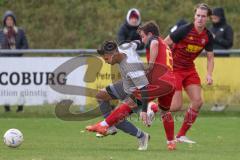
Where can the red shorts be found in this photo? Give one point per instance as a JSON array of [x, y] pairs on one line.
[[186, 77], [161, 87], [164, 102], [164, 94]]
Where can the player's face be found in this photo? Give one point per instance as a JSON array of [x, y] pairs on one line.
[[9, 21], [200, 18], [109, 58], [144, 37]]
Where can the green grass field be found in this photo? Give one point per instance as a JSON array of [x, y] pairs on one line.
[[48, 138]]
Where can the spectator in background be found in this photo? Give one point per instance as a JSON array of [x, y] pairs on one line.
[[222, 32], [128, 30], [12, 37], [223, 39]]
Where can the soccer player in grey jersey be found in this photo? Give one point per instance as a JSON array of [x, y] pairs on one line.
[[133, 77]]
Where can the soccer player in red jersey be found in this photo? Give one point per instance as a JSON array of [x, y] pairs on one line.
[[159, 54], [188, 41]]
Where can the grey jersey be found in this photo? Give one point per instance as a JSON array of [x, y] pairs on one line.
[[132, 69]]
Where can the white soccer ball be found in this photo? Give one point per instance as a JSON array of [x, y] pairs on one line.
[[13, 138]]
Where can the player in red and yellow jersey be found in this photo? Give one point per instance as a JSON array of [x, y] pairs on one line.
[[188, 42], [160, 73]]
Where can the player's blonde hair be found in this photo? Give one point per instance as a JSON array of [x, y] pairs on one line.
[[203, 6]]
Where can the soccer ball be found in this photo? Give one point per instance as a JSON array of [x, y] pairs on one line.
[[13, 138]]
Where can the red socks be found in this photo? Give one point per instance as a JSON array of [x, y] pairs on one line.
[[118, 114], [168, 124], [189, 119]]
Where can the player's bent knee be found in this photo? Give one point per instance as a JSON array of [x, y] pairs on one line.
[[164, 108], [175, 107], [197, 104], [163, 112]]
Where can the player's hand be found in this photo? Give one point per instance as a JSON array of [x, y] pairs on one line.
[[209, 79], [144, 118]]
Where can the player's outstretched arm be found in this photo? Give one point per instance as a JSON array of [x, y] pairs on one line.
[[210, 66]]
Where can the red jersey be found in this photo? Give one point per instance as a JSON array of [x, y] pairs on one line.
[[188, 44], [164, 56], [163, 66]]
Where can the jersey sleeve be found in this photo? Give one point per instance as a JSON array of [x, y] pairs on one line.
[[135, 44], [209, 45], [138, 78], [180, 32]]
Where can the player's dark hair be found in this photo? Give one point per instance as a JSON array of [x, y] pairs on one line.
[[203, 6], [108, 47], [149, 26]]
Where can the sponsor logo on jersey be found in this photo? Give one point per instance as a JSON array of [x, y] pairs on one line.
[[193, 48]]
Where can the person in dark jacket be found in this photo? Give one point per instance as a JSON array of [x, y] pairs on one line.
[[222, 32], [223, 39], [128, 30], [12, 37]]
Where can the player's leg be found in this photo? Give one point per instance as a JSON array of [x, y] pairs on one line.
[[113, 91], [192, 85], [104, 98], [168, 124], [167, 119], [194, 93], [177, 101], [128, 105], [116, 91], [121, 113], [117, 115], [164, 91]]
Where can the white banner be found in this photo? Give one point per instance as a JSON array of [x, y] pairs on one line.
[[25, 80]]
